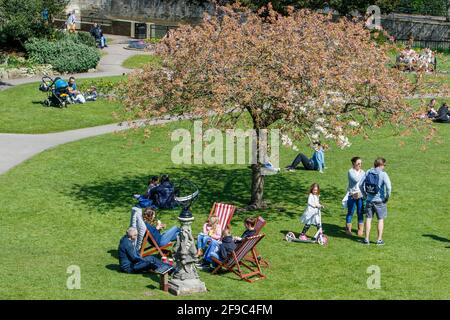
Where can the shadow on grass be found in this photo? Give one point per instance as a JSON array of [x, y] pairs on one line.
[[216, 184], [437, 238], [330, 230]]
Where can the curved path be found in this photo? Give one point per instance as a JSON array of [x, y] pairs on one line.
[[16, 148], [110, 64]]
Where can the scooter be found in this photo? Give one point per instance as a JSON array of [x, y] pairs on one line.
[[319, 237]]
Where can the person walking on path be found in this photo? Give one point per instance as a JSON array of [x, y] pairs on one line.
[[376, 186], [355, 197]]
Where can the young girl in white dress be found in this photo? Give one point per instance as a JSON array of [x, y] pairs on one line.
[[311, 216]]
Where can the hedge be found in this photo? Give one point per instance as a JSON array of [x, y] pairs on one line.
[[64, 55]]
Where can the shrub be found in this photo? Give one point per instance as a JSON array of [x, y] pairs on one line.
[[21, 20], [80, 37], [64, 55]]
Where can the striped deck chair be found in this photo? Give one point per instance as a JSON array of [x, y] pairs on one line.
[[224, 212], [150, 246], [260, 223], [235, 261]]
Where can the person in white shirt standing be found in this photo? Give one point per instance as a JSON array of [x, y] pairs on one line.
[[355, 197]]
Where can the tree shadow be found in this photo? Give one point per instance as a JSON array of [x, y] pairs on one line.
[[331, 230], [437, 238], [216, 184]]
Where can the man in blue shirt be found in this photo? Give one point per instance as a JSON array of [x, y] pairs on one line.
[[377, 197], [131, 262], [317, 162]]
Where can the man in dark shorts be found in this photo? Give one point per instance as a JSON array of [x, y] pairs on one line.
[[376, 186]]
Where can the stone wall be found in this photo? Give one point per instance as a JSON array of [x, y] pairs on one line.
[[421, 28], [144, 10]]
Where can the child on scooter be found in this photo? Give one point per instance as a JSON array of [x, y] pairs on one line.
[[311, 215]]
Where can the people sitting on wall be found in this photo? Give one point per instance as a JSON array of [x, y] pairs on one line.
[[97, 32]]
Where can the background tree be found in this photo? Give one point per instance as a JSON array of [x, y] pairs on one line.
[[21, 20], [303, 73], [344, 7]]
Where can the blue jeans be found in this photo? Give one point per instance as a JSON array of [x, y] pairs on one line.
[[211, 251], [351, 205], [166, 237], [147, 263], [202, 240], [169, 235]]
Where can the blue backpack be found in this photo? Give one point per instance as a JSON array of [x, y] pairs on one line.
[[371, 183]]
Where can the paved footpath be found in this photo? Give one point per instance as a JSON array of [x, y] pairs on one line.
[[16, 148], [110, 64]]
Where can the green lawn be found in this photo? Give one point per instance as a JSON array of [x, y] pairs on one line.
[[140, 60], [21, 111], [70, 206]]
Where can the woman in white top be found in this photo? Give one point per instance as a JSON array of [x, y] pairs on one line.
[[311, 215], [355, 197]]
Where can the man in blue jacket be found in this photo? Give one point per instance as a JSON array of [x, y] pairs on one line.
[[131, 262], [164, 194], [376, 186]]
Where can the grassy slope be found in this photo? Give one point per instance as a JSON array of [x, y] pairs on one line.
[[21, 111], [70, 205], [139, 60]]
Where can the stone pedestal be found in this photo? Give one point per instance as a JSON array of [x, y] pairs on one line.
[[185, 279], [184, 287]]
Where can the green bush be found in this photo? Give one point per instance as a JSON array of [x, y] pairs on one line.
[[81, 37], [21, 20], [64, 55]]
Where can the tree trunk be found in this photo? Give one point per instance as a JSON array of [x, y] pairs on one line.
[[256, 201]]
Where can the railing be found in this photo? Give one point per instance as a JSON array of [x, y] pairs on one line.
[[159, 31], [432, 44]]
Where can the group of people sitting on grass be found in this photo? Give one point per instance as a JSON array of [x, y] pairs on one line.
[[442, 115], [367, 192], [212, 242], [75, 95], [410, 60]]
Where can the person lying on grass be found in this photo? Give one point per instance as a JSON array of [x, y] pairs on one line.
[[131, 262], [211, 232], [155, 226], [311, 215]]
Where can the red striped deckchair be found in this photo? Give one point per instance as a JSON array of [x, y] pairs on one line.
[[224, 212], [260, 223], [235, 260], [150, 246]]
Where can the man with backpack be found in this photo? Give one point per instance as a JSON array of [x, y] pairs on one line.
[[376, 186]]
